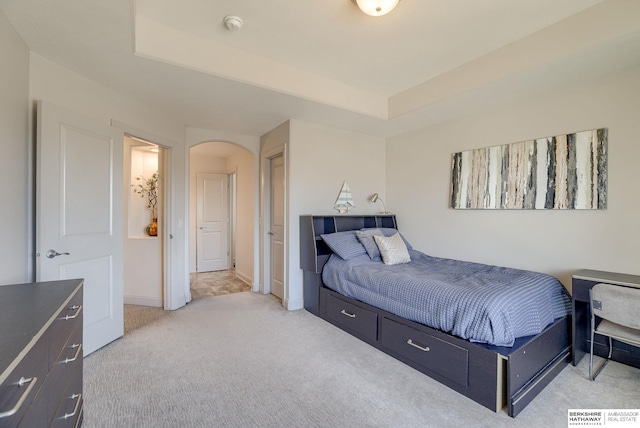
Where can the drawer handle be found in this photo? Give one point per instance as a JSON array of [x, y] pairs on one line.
[[70, 360], [75, 409], [343, 312], [31, 381], [77, 309], [415, 345]]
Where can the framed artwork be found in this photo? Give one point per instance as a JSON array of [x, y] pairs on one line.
[[562, 172]]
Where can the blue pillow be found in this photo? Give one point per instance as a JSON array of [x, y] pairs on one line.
[[369, 243], [344, 244]]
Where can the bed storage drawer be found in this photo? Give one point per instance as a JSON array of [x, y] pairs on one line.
[[357, 320], [427, 351]]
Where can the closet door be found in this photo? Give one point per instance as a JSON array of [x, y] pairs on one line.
[[277, 226]]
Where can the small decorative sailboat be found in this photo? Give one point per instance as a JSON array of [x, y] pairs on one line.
[[344, 202]]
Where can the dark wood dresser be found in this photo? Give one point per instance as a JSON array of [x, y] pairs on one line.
[[41, 354]]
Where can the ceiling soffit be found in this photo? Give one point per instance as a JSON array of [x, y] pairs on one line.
[[591, 27]]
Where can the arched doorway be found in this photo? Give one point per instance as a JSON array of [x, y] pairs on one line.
[[222, 194]]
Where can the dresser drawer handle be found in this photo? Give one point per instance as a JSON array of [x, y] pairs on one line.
[[77, 309], [31, 381], [343, 312], [415, 345], [70, 360], [75, 409]]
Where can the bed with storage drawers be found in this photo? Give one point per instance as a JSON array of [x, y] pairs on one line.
[[494, 368]]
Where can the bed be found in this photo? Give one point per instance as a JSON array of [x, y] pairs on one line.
[[496, 360]]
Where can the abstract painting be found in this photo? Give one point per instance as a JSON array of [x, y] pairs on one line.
[[562, 172]]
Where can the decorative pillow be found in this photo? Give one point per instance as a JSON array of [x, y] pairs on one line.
[[393, 249], [344, 244], [366, 239], [390, 231]]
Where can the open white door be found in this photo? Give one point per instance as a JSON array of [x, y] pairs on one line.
[[212, 218], [79, 194], [277, 226]]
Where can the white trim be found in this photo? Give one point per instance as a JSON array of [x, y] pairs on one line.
[[142, 301], [293, 305], [244, 278]]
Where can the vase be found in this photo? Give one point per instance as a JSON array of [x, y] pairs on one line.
[[152, 229]]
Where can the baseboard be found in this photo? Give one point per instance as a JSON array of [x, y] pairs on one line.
[[293, 305], [143, 301], [244, 278]]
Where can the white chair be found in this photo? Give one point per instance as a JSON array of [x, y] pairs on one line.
[[619, 308]]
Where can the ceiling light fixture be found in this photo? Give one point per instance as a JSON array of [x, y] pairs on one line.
[[233, 22], [376, 7]]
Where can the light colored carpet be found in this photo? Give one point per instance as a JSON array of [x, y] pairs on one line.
[[136, 316], [241, 360], [206, 284]]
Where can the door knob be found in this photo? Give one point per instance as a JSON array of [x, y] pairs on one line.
[[53, 253], [269, 233]]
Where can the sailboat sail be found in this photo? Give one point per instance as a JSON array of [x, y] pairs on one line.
[[344, 202]]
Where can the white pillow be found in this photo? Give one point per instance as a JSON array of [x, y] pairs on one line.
[[393, 249]]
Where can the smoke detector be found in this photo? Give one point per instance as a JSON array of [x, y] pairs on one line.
[[233, 22]]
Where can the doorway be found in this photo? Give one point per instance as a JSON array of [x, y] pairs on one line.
[[221, 218], [144, 220], [144, 175], [274, 228]]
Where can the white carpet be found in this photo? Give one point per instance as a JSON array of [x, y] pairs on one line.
[[241, 360]]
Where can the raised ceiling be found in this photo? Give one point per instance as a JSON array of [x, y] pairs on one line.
[[327, 62]]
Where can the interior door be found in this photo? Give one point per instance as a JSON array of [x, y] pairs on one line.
[[212, 221], [79, 194], [277, 226]]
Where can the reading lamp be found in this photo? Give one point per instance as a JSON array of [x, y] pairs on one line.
[[375, 198]]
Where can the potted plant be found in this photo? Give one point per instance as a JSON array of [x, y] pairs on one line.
[[148, 188]]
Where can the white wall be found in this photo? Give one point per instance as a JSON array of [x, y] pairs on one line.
[[15, 214], [62, 87], [320, 158], [557, 242], [243, 163]]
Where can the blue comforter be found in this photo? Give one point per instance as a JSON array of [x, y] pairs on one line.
[[481, 303]]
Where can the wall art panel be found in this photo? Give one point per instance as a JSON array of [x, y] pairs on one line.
[[562, 172]]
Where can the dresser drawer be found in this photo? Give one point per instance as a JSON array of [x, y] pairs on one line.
[[67, 320], [69, 410], [40, 323], [431, 353], [24, 383], [67, 365], [352, 318]]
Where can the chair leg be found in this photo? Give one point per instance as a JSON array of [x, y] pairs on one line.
[[591, 357], [604, 363]]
